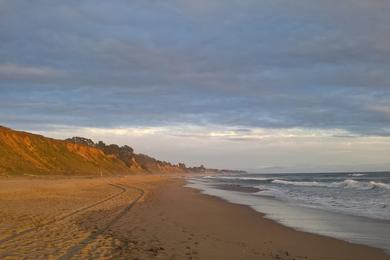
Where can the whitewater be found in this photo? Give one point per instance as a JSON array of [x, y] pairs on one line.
[[350, 206]]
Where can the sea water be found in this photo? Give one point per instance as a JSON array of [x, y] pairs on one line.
[[351, 206]]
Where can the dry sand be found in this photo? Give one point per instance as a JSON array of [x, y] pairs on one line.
[[145, 217]]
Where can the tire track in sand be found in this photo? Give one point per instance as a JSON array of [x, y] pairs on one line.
[[77, 248], [55, 220]]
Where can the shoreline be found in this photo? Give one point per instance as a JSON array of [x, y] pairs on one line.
[[339, 225], [321, 246], [169, 221]]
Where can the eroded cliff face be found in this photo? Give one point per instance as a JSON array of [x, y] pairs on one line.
[[25, 153], [136, 162]]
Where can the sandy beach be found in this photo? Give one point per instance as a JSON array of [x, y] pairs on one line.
[[145, 217]]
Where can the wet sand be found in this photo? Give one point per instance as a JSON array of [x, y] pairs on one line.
[[146, 217]]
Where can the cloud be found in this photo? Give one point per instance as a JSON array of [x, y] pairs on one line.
[[264, 150], [233, 64], [383, 109], [205, 132], [16, 72]]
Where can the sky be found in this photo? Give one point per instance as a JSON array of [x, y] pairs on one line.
[[265, 86]]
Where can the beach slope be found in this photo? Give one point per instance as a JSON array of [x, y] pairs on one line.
[[146, 217]]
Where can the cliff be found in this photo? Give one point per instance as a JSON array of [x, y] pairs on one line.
[[26, 153]]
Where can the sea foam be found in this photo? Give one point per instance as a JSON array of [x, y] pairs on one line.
[[348, 183]]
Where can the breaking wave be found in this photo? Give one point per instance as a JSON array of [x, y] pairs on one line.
[[237, 178], [357, 174], [348, 183]]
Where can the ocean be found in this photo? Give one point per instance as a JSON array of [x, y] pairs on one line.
[[350, 206]]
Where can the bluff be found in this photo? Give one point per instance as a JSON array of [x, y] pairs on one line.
[[26, 153], [135, 162]]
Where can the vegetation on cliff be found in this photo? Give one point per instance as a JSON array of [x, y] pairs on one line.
[[24, 153], [135, 162]]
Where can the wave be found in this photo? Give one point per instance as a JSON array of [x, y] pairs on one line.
[[352, 184], [237, 178], [348, 183], [357, 174], [380, 185], [300, 183]]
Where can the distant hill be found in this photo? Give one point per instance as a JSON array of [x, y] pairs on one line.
[[25, 153]]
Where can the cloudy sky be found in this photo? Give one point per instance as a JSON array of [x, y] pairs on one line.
[[273, 85]]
